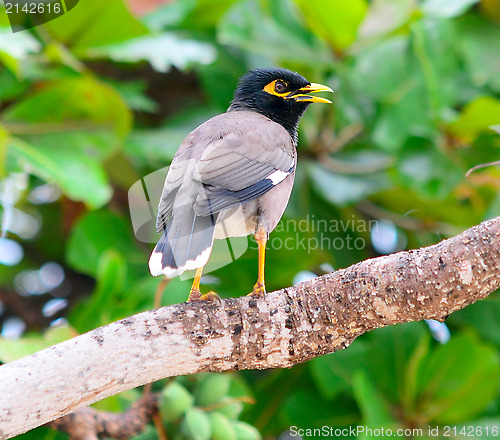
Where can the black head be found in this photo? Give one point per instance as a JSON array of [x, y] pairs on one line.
[[280, 94]]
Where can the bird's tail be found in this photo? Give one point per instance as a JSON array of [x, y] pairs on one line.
[[184, 245]]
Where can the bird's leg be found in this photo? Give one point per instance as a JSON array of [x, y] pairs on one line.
[[195, 294], [261, 239]]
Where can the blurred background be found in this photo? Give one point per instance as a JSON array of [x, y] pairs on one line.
[[102, 96]]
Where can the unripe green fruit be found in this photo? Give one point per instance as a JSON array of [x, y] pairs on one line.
[[221, 427], [212, 388], [174, 402], [231, 411], [244, 431], [196, 424]]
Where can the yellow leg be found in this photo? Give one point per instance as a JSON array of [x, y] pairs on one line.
[[261, 238], [195, 294]]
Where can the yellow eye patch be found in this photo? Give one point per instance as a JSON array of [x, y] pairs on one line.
[[277, 87]]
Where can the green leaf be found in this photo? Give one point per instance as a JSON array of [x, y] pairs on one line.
[[422, 166], [140, 294], [71, 104], [305, 409], [245, 28], [385, 16], [333, 373], [161, 51], [219, 78], [156, 147], [4, 18], [439, 68], [79, 176], [476, 117], [4, 137], [341, 189], [482, 316], [16, 47], [11, 64], [407, 116], [10, 350], [335, 21], [403, 200], [459, 380], [69, 128], [96, 233], [394, 348], [168, 15], [484, 149], [409, 385], [447, 8], [479, 43], [374, 408], [206, 14], [12, 87], [134, 94], [95, 23], [111, 276], [383, 69]]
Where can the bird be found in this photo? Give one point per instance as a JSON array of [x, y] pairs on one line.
[[232, 176]]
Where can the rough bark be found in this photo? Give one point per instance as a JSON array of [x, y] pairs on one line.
[[90, 424], [287, 327]]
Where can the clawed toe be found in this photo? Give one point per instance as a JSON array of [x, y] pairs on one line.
[[259, 290], [211, 296], [195, 295]]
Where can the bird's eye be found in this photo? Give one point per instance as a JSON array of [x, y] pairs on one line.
[[279, 86]]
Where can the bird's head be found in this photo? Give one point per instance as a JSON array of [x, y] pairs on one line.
[[279, 94]]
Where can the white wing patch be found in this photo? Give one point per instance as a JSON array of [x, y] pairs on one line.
[[277, 176]]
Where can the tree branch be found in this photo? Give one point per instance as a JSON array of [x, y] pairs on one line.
[[287, 327], [90, 424]]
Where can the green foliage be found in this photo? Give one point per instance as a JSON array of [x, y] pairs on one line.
[[95, 25], [458, 380], [100, 97], [335, 21], [476, 117], [430, 384], [97, 119], [94, 234]]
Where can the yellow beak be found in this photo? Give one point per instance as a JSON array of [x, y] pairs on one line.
[[302, 94]]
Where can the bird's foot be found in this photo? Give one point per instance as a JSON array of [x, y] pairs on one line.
[[259, 289], [211, 296], [195, 295]]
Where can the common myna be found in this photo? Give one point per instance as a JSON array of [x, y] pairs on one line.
[[232, 176]]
